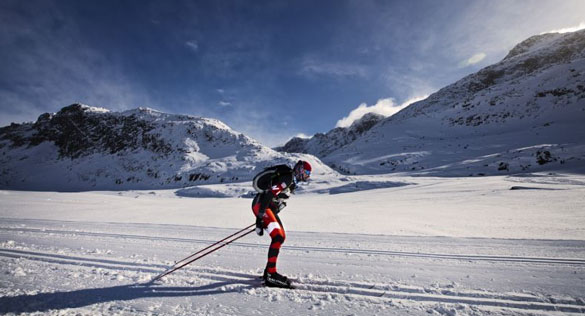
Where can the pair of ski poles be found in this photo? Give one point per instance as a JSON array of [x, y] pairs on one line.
[[205, 251]]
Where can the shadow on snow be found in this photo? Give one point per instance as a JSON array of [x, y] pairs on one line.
[[79, 298]]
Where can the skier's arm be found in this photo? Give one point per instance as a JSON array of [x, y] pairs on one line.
[[265, 199], [269, 195]]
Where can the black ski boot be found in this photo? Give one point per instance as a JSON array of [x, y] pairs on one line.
[[276, 280]]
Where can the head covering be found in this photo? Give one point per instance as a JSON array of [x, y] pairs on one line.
[[302, 170], [307, 166]]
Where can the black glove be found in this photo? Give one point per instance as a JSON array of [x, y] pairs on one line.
[[259, 226]]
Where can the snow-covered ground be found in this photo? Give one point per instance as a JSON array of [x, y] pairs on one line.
[[362, 245]]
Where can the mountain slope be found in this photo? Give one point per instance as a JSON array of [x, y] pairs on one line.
[[321, 145], [88, 148], [522, 114]]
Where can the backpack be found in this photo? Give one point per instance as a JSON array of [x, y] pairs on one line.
[[263, 180]]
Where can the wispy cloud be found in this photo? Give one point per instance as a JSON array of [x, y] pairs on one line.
[[55, 68], [386, 107], [303, 135], [476, 58], [313, 67], [412, 82], [569, 29], [193, 45]]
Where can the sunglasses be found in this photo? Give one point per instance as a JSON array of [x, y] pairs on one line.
[[308, 173]]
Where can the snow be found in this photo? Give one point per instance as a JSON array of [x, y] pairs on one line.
[[482, 124], [359, 245], [135, 149], [470, 202]]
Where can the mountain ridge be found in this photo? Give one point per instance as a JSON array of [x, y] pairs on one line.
[[82, 148], [535, 97], [523, 114], [322, 144]]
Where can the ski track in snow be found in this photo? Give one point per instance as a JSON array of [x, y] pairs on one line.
[[311, 249], [114, 281]]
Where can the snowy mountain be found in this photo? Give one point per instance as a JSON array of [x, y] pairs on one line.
[[89, 148], [522, 114], [321, 145]]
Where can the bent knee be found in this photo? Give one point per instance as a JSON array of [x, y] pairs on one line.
[[278, 237]]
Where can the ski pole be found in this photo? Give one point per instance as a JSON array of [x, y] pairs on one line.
[[200, 251], [176, 267]]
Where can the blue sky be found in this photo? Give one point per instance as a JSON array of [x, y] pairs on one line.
[[271, 69]]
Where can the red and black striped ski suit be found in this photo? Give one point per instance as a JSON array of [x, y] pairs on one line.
[[275, 230], [274, 184]]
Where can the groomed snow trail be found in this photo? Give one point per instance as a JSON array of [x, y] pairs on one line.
[[56, 267]]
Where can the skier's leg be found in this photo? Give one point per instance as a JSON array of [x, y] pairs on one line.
[[274, 228], [276, 232]]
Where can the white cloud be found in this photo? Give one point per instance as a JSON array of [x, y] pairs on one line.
[[569, 29], [473, 60], [224, 103], [386, 107], [303, 135], [193, 45]]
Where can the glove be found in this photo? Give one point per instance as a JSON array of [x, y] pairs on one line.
[[259, 226]]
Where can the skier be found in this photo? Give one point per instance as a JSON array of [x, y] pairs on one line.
[[274, 186]]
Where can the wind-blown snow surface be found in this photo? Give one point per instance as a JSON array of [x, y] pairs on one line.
[[393, 246]]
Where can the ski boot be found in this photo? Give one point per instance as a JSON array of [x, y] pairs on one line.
[[276, 280]]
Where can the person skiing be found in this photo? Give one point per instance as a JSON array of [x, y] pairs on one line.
[[274, 186]]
